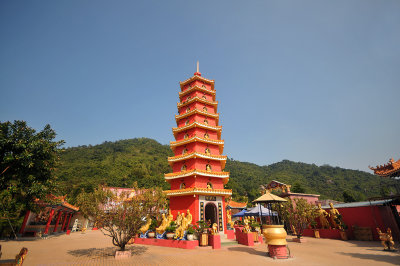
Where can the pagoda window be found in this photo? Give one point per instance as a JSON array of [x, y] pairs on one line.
[[182, 186], [204, 86], [183, 168], [184, 151], [207, 151], [187, 109], [206, 136], [186, 136], [187, 122], [204, 97], [208, 168], [205, 109], [206, 121], [209, 185]]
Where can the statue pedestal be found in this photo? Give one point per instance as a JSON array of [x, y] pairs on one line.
[[214, 241], [244, 238], [278, 251], [230, 234]]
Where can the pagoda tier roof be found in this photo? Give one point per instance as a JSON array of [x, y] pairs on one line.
[[391, 169], [196, 88], [175, 144], [198, 99], [198, 191], [223, 175], [194, 155], [196, 111], [196, 77], [177, 130]]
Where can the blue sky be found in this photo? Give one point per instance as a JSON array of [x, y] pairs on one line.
[[310, 81]]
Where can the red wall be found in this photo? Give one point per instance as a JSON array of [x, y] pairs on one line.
[[184, 203], [198, 147], [197, 132]]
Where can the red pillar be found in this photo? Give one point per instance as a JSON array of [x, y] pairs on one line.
[[58, 219], [21, 231], [69, 220], [64, 220], [46, 230]]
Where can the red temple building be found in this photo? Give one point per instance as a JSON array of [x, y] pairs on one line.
[[198, 178]]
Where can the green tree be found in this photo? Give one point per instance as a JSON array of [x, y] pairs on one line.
[[348, 197], [120, 217], [298, 188], [27, 161]]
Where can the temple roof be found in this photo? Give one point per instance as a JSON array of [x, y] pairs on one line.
[[236, 205], [221, 158], [175, 144], [223, 175], [198, 191], [391, 169]]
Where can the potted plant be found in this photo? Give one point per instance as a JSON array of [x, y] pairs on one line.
[[190, 233], [255, 228], [313, 224], [342, 227], [170, 230], [152, 228], [203, 233]]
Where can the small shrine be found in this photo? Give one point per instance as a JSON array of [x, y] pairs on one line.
[[197, 179], [284, 192]]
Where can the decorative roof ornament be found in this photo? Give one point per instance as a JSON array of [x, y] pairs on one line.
[[197, 73]]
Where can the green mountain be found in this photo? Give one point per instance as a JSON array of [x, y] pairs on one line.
[[144, 161]]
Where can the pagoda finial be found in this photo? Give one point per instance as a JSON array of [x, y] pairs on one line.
[[197, 72]]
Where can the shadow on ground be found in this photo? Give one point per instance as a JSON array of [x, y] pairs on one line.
[[248, 250], [104, 252], [395, 260]]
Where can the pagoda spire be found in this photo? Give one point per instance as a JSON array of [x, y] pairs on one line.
[[197, 73]]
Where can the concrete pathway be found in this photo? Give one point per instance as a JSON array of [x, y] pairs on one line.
[[93, 248]]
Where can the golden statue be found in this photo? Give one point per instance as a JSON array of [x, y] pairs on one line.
[[333, 215], [164, 224], [145, 227], [189, 217], [229, 218], [180, 231], [386, 239], [207, 151], [209, 186], [170, 216], [206, 136], [214, 229], [323, 217], [246, 228], [208, 168], [178, 220]]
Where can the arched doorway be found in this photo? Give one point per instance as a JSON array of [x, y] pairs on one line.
[[211, 213]]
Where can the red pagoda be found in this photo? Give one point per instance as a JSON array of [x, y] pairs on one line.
[[197, 181]]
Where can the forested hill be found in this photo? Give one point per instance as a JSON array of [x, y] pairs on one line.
[[144, 160]]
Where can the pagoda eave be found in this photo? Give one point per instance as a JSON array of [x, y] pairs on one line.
[[195, 111], [196, 77], [197, 88], [195, 172], [218, 129], [220, 143], [197, 99], [198, 191]]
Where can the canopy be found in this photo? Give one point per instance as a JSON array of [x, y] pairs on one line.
[[269, 198], [256, 211], [240, 214]]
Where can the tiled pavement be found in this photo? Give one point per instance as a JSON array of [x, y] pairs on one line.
[[93, 248]]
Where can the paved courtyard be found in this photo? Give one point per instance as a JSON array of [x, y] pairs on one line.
[[93, 248]]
